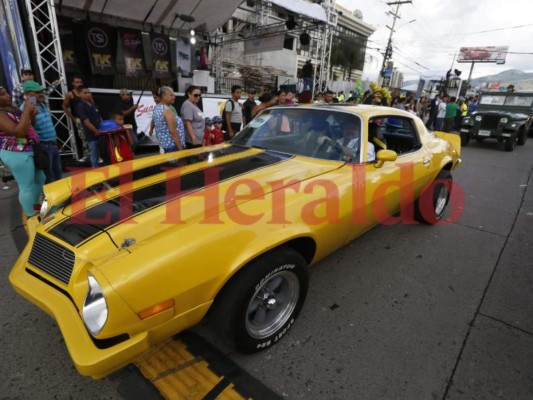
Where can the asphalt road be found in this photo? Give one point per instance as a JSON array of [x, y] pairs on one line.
[[404, 312]]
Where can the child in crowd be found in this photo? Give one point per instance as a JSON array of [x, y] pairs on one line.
[[122, 140], [208, 135], [213, 131], [217, 132]]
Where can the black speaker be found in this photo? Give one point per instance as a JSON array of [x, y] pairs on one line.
[[290, 23], [305, 39]]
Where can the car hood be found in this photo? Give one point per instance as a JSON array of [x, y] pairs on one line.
[[172, 191]]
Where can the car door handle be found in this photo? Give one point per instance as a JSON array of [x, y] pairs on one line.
[[426, 162]]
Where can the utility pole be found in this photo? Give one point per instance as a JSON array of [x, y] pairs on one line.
[[388, 51]]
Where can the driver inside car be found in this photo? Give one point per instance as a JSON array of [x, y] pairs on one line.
[[348, 143]]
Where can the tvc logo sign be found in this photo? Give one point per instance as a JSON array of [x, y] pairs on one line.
[[159, 46], [97, 37]]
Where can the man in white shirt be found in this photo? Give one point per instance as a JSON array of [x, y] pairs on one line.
[[441, 112]]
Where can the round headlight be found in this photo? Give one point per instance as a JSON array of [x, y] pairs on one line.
[[44, 208], [94, 310], [504, 120], [478, 118]]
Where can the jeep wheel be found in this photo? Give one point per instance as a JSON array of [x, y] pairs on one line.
[[465, 138], [260, 303], [430, 207], [510, 144], [522, 137]]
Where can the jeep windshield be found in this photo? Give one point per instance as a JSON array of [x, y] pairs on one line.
[[324, 134], [521, 101], [509, 100]]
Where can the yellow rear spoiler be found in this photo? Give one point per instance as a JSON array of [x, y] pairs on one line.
[[453, 138]]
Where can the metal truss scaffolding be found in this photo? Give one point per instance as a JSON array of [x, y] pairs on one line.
[[325, 40], [45, 35]]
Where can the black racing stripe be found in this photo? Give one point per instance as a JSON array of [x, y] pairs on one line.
[[174, 163], [92, 221], [78, 232]]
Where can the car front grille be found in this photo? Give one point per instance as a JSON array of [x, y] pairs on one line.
[[489, 122], [52, 258]]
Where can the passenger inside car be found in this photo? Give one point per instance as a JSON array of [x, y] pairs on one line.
[[376, 141]]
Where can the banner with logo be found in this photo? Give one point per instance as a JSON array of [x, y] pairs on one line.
[[66, 36], [132, 49], [160, 55], [17, 33], [7, 53], [183, 54], [101, 44]]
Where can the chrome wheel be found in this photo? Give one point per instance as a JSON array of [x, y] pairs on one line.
[[442, 200], [272, 304]]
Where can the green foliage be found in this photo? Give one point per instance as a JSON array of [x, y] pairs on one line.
[[348, 53]]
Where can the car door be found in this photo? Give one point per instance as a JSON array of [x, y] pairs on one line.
[[383, 189]]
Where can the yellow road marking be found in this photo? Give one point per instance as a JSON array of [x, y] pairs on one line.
[[178, 374]]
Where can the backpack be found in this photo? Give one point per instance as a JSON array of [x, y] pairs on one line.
[[224, 124]]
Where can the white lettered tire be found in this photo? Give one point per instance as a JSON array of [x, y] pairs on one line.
[[260, 303], [431, 205]]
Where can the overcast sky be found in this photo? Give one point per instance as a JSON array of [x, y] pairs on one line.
[[441, 27]]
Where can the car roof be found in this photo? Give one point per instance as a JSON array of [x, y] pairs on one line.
[[367, 111]]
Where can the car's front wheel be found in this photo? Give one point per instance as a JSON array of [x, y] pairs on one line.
[[509, 144], [260, 304], [522, 137], [465, 138], [431, 205]]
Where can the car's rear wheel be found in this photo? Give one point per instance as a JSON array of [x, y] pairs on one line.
[[260, 304], [509, 144], [522, 137], [431, 205]]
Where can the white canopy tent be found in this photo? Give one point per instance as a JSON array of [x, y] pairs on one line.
[[410, 88], [433, 75], [302, 7], [207, 15]]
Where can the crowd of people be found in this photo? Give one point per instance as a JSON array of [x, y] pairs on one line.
[[442, 112], [25, 120]]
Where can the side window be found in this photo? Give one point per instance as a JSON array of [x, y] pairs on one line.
[[400, 134]]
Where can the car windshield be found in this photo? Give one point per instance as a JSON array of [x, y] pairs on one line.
[[323, 134]]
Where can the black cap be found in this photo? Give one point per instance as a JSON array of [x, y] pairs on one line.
[[26, 70]]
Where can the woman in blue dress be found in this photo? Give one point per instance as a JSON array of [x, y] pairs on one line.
[[169, 127]]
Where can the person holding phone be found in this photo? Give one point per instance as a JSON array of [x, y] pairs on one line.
[[44, 126], [17, 153]]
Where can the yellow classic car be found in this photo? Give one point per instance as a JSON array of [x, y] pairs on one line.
[[129, 254]]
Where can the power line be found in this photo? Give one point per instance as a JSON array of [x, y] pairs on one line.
[[407, 57], [496, 30]]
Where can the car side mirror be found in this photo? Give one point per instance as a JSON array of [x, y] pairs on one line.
[[385, 155]]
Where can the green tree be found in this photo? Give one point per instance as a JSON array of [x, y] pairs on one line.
[[348, 53]]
